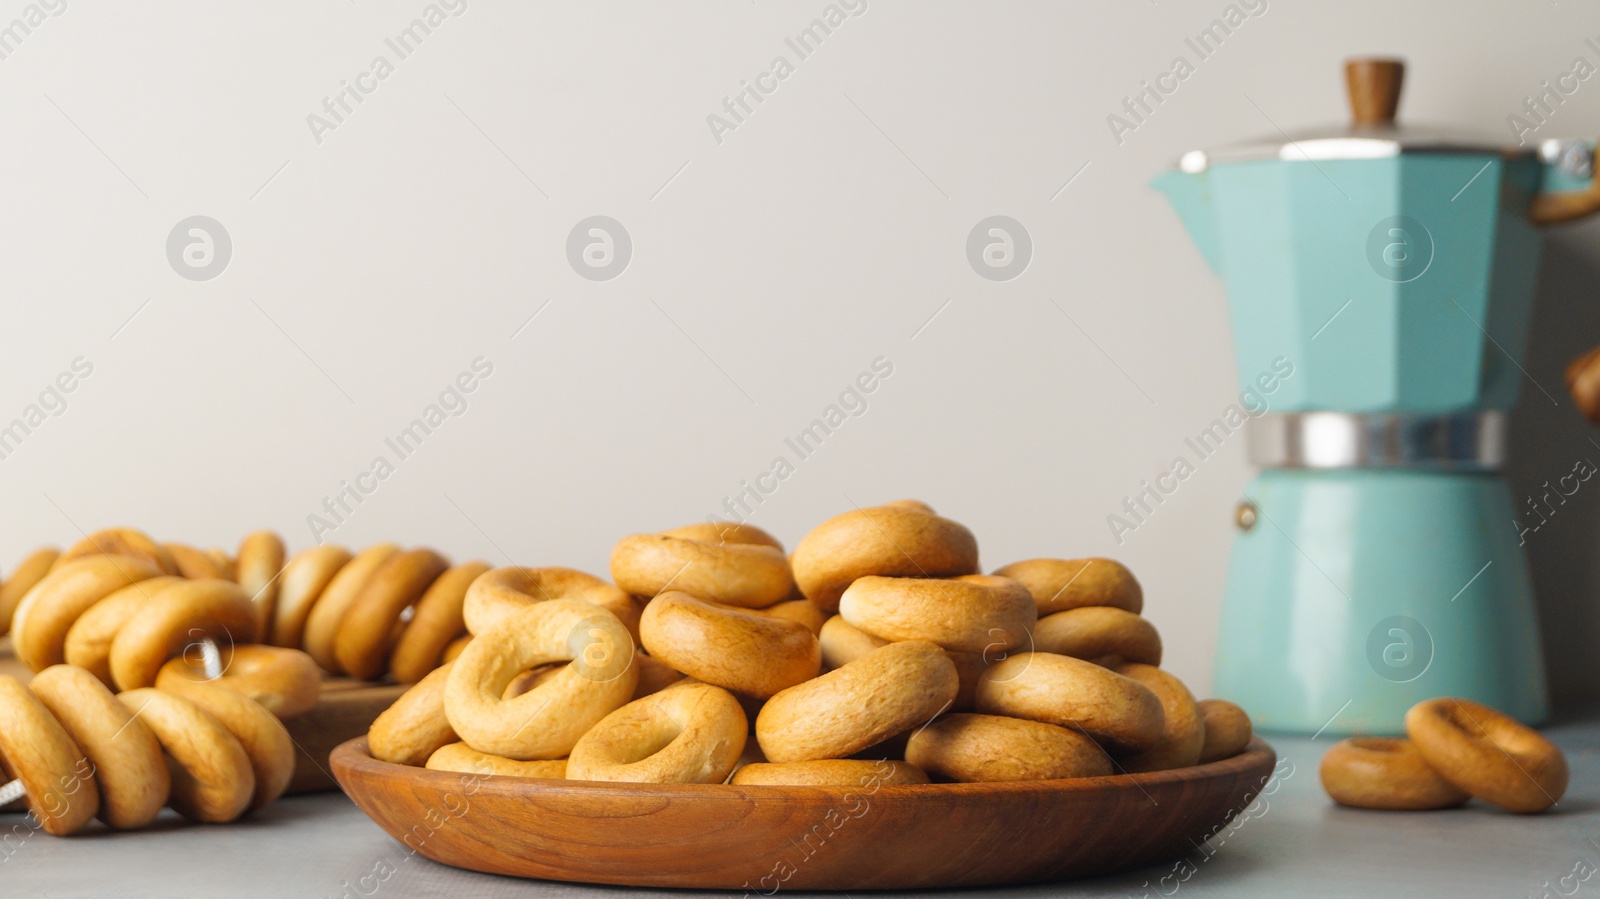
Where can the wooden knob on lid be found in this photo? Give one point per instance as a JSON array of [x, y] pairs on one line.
[[1374, 86]]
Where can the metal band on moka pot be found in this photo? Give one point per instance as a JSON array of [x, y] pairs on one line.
[[1460, 443]]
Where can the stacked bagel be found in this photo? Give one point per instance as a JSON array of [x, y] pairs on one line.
[[877, 651]]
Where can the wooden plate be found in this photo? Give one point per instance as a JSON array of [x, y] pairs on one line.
[[761, 839]]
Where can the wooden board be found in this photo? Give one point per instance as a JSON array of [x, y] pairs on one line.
[[346, 709], [762, 839]]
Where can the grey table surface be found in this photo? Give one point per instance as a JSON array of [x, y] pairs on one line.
[[1293, 841]]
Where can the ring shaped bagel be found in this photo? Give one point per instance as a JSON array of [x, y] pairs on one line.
[[1488, 753], [689, 733], [89, 639], [303, 579], [194, 562], [545, 722], [411, 730], [263, 737], [1227, 730], [897, 540], [39, 630], [128, 765], [981, 748], [1099, 632], [499, 593], [1183, 732], [731, 564], [1385, 773], [729, 647], [843, 643], [367, 631], [1061, 584], [830, 772], [463, 758], [322, 624], [435, 621], [285, 682], [1055, 689], [126, 542], [972, 613], [28, 573], [179, 616], [212, 779], [258, 564], [885, 692], [37, 750]]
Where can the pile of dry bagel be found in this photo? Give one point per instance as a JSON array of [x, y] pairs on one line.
[[876, 640]]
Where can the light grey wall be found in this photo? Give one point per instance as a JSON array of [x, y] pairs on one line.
[[769, 268]]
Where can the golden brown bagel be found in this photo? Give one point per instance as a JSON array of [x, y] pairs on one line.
[[800, 610], [885, 692], [732, 564], [1227, 730], [435, 622], [463, 758], [367, 630], [196, 563], [547, 721], [688, 733], [1061, 584], [285, 682], [322, 624], [39, 629], [1384, 773], [263, 738], [415, 726], [212, 778], [1119, 712], [737, 649], [904, 539], [499, 593], [1099, 633], [1488, 754], [128, 765], [830, 772], [258, 563], [88, 644], [973, 613], [37, 750], [300, 586], [28, 572], [982, 748], [176, 619], [843, 643], [124, 542], [1183, 733]]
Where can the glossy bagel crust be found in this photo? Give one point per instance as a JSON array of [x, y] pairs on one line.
[[28, 572], [37, 750], [1099, 633], [257, 566], [499, 593], [366, 632], [904, 539], [737, 649], [129, 767], [263, 737], [883, 693], [1061, 584], [415, 726], [1123, 714], [177, 617], [47, 613], [466, 760], [89, 639], [321, 630], [436, 620], [125, 542], [688, 733], [212, 778], [285, 682], [732, 564], [1183, 732], [1384, 773], [972, 613], [300, 585], [984, 748], [843, 643], [546, 721], [1488, 753]]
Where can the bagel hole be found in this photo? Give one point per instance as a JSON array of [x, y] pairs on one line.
[[1457, 717]]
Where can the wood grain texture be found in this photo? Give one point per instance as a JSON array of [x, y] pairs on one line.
[[764, 838]]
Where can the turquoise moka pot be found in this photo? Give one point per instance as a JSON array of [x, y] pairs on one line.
[[1390, 271]]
